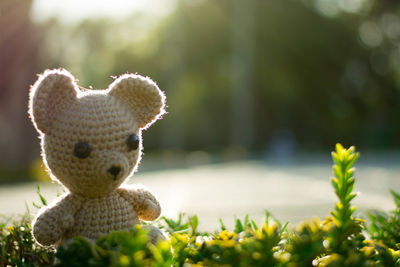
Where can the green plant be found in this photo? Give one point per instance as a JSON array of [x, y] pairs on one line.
[[126, 248], [343, 232], [17, 248], [339, 240], [385, 227]]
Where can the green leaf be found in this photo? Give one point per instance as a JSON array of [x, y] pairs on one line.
[[335, 158], [339, 148], [350, 197], [335, 183], [246, 221], [223, 228], [42, 199], [267, 216], [335, 214], [396, 198], [194, 222], [338, 172], [255, 227], [238, 226]]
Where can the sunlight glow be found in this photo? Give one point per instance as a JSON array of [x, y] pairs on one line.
[[332, 8], [74, 11]]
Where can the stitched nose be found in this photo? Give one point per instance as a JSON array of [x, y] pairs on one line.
[[114, 170]]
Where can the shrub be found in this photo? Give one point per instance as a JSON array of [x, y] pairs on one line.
[[384, 226], [17, 247], [339, 240]]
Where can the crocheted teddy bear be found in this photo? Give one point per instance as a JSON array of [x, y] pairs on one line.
[[91, 142]]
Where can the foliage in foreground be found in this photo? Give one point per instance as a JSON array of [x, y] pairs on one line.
[[339, 240]]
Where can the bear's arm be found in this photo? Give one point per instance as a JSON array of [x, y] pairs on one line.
[[145, 204], [52, 221]]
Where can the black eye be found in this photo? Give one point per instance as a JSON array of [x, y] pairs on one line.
[[82, 150], [133, 142]]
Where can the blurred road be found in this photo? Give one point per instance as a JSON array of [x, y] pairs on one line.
[[291, 192]]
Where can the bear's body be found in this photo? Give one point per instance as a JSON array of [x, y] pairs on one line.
[[101, 215], [91, 142]]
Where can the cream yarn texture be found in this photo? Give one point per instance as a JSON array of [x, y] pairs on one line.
[[91, 142]]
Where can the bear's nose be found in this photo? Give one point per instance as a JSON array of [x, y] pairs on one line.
[[114, 170]]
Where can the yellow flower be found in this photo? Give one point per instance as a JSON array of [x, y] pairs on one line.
[[124, 260], [139, 255], [256, 255], [368, 251]]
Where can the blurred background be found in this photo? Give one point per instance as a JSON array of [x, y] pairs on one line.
[[274, 81]]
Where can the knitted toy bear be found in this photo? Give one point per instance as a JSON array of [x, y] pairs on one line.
[[91, 142]]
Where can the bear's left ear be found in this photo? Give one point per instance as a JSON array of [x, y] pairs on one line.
[[141, 95], [52, 92]]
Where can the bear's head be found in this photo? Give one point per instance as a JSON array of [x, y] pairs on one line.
[[91, 140]]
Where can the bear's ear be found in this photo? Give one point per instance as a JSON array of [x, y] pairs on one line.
[[141, 95], [51, 93]]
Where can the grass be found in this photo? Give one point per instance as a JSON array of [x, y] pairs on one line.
[[341, 239]]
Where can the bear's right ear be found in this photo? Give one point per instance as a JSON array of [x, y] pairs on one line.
[[141, 95], [51, 93]]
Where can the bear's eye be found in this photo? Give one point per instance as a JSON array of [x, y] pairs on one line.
[[133, 142], [82, 150]]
